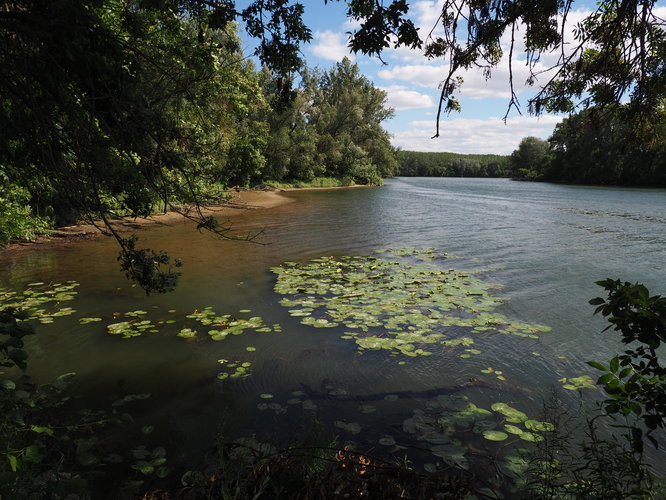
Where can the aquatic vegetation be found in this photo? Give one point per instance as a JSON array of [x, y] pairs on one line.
[[187, 333], [129, 329], [236, 369], [86, 321], [39, 294], [226, 324], [404, 307], [576, 383]]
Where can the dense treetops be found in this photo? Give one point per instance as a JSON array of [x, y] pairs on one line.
[[415, 164], [599, 147]]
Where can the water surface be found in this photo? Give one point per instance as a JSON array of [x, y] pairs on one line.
[[545, 244]]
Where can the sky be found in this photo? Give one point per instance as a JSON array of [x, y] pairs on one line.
[[411, 82]]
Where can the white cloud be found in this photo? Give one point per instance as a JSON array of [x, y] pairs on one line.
[[481, 136], [418, 71], [331, 45], [475, 85], [423, 75], [400, 98]]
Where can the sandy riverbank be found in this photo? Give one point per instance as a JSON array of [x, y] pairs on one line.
[[243, 200]]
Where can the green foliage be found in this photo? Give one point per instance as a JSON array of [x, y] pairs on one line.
[[317, 182], [576, 460], [413, 163], [151, 270], [635, 380], [530, 159], [347, 115], [599, 146], [12, 330], [17, 221], [330, 128]]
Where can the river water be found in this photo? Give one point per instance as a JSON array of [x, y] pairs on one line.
[[544, 244]]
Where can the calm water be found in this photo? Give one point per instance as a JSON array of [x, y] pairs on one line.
[[545, 244]]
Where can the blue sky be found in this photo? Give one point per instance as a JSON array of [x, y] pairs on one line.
[[411, 82]]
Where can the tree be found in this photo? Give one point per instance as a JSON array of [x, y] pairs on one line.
[[290, 152], [347, 113], [114, 105], [598, 146], [530, 159]]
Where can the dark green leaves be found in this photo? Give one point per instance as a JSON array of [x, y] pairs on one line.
[[151, 270], [636, 380]]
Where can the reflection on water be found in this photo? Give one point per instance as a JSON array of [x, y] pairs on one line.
[[544, 244]]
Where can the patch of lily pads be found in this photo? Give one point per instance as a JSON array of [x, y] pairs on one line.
[[135, 326], [234, 369], [576, 383], [221, 326], [400, 306], [39, 294], [447, 418]]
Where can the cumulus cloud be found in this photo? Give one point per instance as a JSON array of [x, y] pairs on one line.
[[481, 136], [400, 98], [475, 85], [423, 75], [331, 45]]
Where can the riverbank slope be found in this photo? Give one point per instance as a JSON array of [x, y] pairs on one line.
[[241, 201]]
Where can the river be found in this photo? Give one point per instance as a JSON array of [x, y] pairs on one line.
[[544, 244]]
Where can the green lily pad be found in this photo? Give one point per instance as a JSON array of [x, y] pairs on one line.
[[387, 441], [495, 435], [531, 437], [535, 425], [513, 429], [85, 321], [576, 383], [511, 414], [187, 333]]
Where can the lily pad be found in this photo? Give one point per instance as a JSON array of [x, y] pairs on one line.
[[511, 414], [535, 425], [495, 435], [531, 437], [187, 333], [387, 441], [513, 429], [576, 383]]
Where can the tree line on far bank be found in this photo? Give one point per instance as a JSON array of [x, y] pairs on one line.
[[597, 147], [592, 147], [417, 164]]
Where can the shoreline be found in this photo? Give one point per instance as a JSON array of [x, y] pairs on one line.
[[243, 200]]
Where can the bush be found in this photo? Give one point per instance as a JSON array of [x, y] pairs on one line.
[[16, 219]]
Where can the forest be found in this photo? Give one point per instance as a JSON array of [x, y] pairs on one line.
[[598, 147], [132, 112], [415, 164]]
